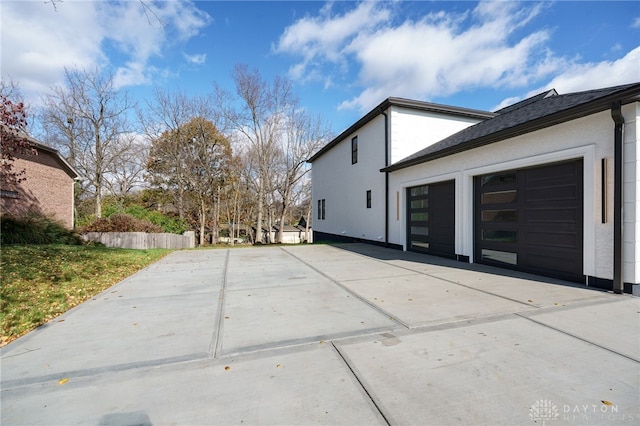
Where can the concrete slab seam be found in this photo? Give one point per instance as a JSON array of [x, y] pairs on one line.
[[216, 342], [364, 388], [579, 338], [89, 372], [351, 292], [575, 304], [293, 343]]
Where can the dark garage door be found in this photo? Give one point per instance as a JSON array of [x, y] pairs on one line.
[[431, 221], [531, 220]]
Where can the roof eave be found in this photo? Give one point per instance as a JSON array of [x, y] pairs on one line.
[[65, 164]]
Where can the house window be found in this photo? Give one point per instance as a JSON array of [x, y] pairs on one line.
[[321, 209], [369, 199], [354, 150]]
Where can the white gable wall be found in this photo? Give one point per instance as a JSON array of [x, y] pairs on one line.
[[343, 185], [590, 138], [413, 130]]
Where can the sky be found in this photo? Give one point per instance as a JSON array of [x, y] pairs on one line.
[[343, 57]]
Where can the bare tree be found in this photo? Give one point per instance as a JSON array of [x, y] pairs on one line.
[[304, 135], [86, 118], [126, 173], [10, 89], [257, 114]]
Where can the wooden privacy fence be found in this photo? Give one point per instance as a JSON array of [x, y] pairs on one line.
[[142, 240]]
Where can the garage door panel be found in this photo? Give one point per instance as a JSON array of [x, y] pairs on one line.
[[552, 173], [431, 218], [553, 215], [549, 194], [544, 263], [532, 220], [558, 239]]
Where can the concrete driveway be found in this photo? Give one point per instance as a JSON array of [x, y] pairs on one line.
[[352, 334]]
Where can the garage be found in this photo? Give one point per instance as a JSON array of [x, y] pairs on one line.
[[431, 219], [531, 220]]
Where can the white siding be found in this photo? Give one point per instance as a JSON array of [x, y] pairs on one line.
[[344, 185], [590, 138], [631, 212], [413, 130]]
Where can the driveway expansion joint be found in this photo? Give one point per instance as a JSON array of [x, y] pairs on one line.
[[579, 338], [351, 292], [344, 359], [216, 342]]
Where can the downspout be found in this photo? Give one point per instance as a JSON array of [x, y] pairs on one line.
[[386, 178], [618, 242]]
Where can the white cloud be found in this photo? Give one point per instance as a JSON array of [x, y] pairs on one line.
[[38, 41], [196, 59], [323, 37], [577, 77], [440, 54], [443, 54]]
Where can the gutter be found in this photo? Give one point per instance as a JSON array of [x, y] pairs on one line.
[[386, 178], [618, 241]]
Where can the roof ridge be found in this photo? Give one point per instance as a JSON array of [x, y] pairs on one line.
[[528, 101]]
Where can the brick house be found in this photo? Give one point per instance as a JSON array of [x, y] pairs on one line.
[[48, 187]]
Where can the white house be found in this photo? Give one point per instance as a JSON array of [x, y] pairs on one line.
[[349, 192], [549, 185]]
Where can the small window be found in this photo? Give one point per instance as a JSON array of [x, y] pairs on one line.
[[354, 150], [319, 209], [369, 199], [322, 209]]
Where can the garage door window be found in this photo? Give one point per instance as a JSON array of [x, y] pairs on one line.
[[497, 256]]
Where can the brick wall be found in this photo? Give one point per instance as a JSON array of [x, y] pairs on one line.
[[48, 189]]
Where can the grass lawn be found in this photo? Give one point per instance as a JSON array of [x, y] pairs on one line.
[[40, 282]]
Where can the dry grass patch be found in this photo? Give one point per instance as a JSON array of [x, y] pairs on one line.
[[40, 282]]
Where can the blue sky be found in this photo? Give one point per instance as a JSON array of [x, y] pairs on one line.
[[343, 57]]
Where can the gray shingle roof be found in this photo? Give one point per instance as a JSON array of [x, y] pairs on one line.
[[543, 110]]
